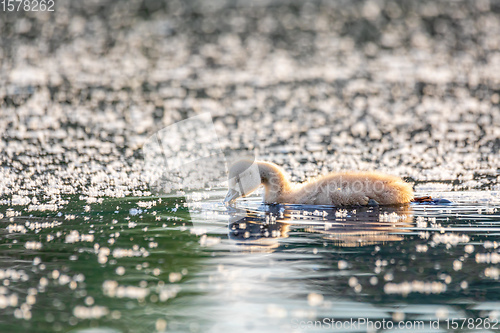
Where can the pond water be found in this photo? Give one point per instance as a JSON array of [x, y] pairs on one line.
[[148, 264]]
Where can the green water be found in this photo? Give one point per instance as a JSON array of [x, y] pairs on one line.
[[247, 273], [159, 248]]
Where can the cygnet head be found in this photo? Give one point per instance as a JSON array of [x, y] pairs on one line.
[[243, 178]]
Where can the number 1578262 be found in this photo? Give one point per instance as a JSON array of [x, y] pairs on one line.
[[27, 5]]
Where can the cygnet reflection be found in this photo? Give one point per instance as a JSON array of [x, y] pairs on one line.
[[345, 227]]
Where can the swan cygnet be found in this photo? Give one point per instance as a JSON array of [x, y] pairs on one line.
[[338, 189]]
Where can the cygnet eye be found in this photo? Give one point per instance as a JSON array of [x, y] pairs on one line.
[[233, 182]]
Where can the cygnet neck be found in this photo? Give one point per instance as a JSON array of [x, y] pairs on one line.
[[275, 182]]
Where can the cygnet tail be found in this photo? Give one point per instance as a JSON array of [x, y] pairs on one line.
[[387, 189], [397, 192]]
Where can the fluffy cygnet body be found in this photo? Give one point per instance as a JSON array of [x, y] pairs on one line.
[[339, 189]]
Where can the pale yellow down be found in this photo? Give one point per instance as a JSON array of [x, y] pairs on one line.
[[339, 189]]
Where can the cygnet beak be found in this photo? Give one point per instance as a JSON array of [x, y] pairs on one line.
[[231, 196]]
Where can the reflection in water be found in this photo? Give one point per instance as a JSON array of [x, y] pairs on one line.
[[345, 227], [295, 264], [139, 264]]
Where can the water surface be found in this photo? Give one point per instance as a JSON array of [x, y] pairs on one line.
[[138, 264]]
